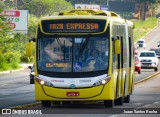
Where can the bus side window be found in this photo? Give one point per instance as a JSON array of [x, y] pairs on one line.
[[114, 58]]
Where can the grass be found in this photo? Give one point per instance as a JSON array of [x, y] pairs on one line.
[[143, 27]]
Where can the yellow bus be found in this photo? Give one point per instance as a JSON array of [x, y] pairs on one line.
[[83, 55]]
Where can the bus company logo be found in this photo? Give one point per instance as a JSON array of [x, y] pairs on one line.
[[72, 81], [57, 80], [72, 86], [84, 81], [6, 111]]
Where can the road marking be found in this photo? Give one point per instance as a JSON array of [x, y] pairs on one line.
[[149, 77], [113, 116], [4, 84], [146, 105], [137, 103], [26, 105], [156, 102]]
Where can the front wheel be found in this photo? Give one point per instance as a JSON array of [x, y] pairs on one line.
[[156, 69], [139, 72], [46, 103], [108, 103], [118, 101], [127, 99]]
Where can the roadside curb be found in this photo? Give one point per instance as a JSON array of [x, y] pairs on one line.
[[24, 66], [149, 77], [26, 105], [11, 71], [152, 29]]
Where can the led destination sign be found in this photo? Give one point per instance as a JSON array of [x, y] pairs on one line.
[[74, 26]]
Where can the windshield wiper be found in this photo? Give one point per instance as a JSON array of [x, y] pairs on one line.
[[82, 47], [62, 47]]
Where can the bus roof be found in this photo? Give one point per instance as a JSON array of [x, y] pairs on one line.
[[88, 14]]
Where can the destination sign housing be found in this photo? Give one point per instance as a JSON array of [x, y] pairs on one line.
[[80, 26]]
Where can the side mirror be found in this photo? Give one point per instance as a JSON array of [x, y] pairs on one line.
[[29, 49], [32, 39], [29, 67], [117, 46]]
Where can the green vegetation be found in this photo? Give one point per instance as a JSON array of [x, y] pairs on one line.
[[9, 61], [12, 45], [143, 27], [46, 7]]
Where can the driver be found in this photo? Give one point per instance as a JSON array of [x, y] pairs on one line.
[[95, 56]]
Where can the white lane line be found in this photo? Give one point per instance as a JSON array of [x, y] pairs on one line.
[[137, 103], [3, 85], [156, 102], [113, 116], [146, 105]]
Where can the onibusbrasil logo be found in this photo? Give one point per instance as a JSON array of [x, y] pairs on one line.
[[18, 111]]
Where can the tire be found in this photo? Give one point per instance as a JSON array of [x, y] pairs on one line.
[[139, 72], [156, 69], [108, 103], [66, 102], [46, 103], [31, 81], [127, 99], [118, 101], [56, 102]]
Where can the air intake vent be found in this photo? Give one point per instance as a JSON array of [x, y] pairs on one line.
[[113, 14]]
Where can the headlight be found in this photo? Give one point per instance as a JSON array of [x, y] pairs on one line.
[[102, 81], [43, 82], [154, 60]]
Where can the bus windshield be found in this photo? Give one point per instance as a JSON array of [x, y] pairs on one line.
[[73, 54]]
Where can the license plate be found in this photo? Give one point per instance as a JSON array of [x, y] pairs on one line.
[[72, 94]]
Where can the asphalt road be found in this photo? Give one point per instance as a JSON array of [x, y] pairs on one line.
[[151, 41], [145, 73], [15, 89]]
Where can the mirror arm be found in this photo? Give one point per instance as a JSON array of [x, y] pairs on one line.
[[32, 39], [115, 38]]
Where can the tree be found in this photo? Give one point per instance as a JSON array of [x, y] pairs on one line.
[[144, 4], [98, 2], [32, 27], [14, 4], [46, 7], [2, 5], [5, 32], [9, 57]]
